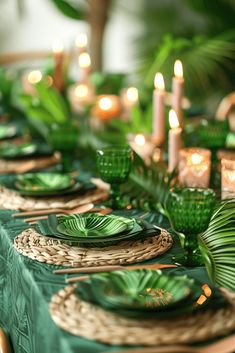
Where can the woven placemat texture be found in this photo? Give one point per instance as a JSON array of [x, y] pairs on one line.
[[12, 200], [92, 322], [52, 251]]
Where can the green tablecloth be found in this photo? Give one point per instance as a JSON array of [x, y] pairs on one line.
[[26, 287]]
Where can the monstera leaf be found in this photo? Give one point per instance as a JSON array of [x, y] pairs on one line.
[[217, 245], [148, 187]]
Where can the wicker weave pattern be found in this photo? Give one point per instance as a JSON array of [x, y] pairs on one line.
[[31, 244], [84, 319]]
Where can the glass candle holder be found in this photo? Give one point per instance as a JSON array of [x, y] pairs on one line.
[[227, 178], [194, 167], [190, 211], [107, 107], [114, 165]]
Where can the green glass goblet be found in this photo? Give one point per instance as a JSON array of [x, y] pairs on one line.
[[190, 211], [64, 139], [114, 165]]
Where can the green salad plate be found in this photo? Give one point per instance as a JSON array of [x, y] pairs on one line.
[[10, 150], [7, 131], [144, 293], [95, 230], [44, 183]]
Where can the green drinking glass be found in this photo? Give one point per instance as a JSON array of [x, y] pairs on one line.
[[114, 165], [64, 139], [190, 211]]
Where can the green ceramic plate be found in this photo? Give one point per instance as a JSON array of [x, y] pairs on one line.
[[140, 230], [9, 150], [7, 131], [143, 293], [43, 182], [94, 225]]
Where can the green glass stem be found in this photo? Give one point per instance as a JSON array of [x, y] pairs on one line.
[[115, 196]]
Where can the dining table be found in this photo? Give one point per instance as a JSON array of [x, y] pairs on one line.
[[27, 287]]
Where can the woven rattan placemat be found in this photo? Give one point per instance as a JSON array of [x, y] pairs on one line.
[[12, 200], [92, 322], [37, 247]]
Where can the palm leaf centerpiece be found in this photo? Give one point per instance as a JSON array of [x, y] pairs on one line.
[[217, 245]]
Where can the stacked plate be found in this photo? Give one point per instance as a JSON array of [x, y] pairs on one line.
[[46, 184], [95, 230], [145, 293], [12, 151], [7, 131]]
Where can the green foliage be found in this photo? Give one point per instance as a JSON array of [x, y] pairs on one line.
[[204, 60], [148, 187], [107, 83], [70, 9], [7, 83], [217, 245]]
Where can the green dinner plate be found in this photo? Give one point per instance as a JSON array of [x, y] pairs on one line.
[[38, 183], [10, 150], [143, 293], [7, 131], [140, 230], [94, 225]]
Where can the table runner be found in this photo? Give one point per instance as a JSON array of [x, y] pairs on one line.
[[26, 288]]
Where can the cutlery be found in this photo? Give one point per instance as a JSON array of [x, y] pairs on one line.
[[34, 220], [225, 345], [78, 209], [111, 268]]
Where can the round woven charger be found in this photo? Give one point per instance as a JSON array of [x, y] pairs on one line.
[[31, 244], [92, 322]]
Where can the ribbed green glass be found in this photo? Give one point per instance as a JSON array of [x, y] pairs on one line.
[[114, 165], [190, 211]]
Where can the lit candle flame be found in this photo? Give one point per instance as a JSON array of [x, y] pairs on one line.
[[140, 140], [173, 119], [81, 40], [34, 77], [57, 46], [81, 91], [105, 103], [196, 158], [178, 69], [84, 60], [132, 94], [159, 82]]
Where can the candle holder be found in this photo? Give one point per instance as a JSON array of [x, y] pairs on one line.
[[143, 145], [114, 165], [107, 107], [227, 179], [194, 167], [190, 211]]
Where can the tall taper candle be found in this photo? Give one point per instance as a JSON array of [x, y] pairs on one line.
[[58, 77], [178, 90], [174, 142], [158, 110]]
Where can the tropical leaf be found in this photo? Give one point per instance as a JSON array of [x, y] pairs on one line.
[[69, 9], [217, 245], [202, 58], [148, 187]]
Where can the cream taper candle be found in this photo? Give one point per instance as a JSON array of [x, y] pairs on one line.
[[174, 141], [178, 90], [158, 110]]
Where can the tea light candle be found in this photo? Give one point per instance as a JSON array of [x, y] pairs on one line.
[[227, 178], [129, 98], [174, 142], [178, 90], [84, 62], [143, 146], [194, 167], [158, 110], [29, 79], [58, 52], [80, 96], [107, 107]]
